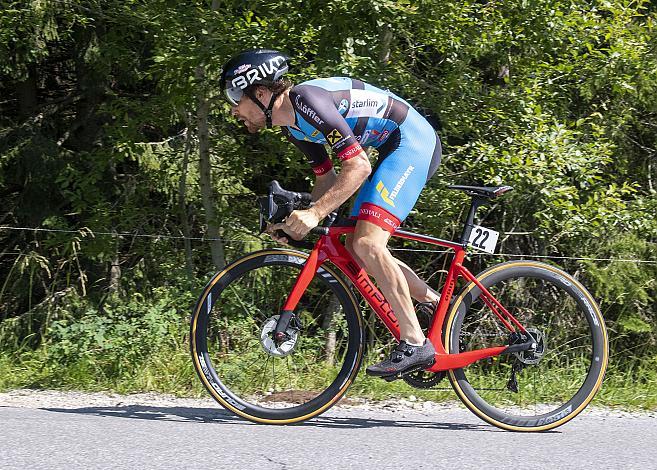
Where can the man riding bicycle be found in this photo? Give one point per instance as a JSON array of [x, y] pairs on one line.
[[348, 114]]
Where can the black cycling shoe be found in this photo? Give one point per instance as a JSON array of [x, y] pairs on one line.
[[403, 359]]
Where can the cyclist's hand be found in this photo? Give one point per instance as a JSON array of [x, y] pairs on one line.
[[299, 223], [274, 234]]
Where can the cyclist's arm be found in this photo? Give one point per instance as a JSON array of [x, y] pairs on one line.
[[319, 162], [318, 109], [354, 172], [322, 184], [315, 153]]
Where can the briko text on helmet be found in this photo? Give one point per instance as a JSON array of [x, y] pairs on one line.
[[259, 73]]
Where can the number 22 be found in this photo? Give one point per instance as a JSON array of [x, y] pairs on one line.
[[476, 242]]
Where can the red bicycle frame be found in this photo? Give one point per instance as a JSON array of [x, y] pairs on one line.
[[329, 248]]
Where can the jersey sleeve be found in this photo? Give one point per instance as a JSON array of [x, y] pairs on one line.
[[316, 106], [315, 153]]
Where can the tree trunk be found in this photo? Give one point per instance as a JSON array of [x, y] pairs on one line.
[[26, 91], [216, 244], [371, 337], [385, 38], [91, 81], [115, 265], [182, 198], [115, 272]]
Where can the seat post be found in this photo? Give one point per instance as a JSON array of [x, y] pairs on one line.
[[469, 222]]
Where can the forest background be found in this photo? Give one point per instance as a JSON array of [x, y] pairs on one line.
[[114, 142]]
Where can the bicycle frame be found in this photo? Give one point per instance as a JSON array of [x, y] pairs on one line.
[[329, 248]]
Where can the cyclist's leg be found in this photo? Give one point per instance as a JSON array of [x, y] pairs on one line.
[[420, 290], [408, 160], [383, 202], [369, 243], [414, 351]]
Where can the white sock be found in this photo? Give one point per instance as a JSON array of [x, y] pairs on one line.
[[416, 345]]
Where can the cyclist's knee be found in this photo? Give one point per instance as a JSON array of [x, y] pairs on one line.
[[367, 248]]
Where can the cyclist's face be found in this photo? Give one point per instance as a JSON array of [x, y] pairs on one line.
[[249, 113]]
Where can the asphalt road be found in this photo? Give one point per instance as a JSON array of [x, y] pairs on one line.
[[142, 436]]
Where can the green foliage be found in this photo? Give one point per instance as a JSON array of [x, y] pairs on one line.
[[112, 348], [627, 293], [100, 107]]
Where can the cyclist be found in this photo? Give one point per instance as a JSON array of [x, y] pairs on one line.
[[348, 114]]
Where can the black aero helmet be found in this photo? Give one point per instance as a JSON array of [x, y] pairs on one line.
[[254, 67]]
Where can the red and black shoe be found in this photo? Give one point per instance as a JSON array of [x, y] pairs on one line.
[[403, 359]]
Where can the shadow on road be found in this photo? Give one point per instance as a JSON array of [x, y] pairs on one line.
[[211, 415]]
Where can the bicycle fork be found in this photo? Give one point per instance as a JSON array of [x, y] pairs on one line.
[[287, 312]]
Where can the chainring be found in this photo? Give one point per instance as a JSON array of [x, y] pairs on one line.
[[423, 379]]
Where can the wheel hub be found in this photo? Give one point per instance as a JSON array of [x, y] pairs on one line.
[[533, 356], [274, 348]]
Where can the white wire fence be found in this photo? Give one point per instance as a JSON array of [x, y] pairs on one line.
[[84, 231]]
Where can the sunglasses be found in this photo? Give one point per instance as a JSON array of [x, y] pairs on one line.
[[234, 95]]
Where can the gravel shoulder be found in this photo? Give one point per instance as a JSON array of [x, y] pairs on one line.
[[26, 398]]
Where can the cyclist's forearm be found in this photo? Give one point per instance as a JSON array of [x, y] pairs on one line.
[[354, 172], [322, 184]]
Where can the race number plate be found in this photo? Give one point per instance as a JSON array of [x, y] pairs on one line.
[[483, 238]]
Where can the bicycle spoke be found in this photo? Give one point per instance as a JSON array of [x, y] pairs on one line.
[[246, 308], [289, 378], [552, 374], [273, 374]]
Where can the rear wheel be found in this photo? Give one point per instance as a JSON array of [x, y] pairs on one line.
[[544, 388], [241, 365]]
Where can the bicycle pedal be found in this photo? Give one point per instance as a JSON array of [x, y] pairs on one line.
[[411, 370], [392, 378], [400, 375], [416, 368]]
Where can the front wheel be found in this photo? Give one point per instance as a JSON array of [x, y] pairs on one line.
[[541, 389], [252, 375]]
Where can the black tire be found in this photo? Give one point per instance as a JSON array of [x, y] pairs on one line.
[[554, 385], [235, 359]]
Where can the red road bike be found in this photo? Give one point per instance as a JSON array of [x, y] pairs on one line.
[[278, 337]]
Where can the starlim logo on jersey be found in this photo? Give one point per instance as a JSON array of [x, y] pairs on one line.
[[368, 103], [389, 197], [365, 103], [344, 106]]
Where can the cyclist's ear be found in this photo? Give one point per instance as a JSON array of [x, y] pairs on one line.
[[261, 92]]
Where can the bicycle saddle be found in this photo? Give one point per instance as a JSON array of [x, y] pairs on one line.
[[490, 192]]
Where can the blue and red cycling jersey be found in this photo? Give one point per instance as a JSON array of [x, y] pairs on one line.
[[348, 114]]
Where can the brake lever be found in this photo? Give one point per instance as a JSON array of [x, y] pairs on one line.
[[295, 243]]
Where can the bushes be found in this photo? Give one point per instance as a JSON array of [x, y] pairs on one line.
[[118, 346], [555, 97]]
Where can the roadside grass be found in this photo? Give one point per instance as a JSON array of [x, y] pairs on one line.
[[143, 346], [632, 386], [169, 370]]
